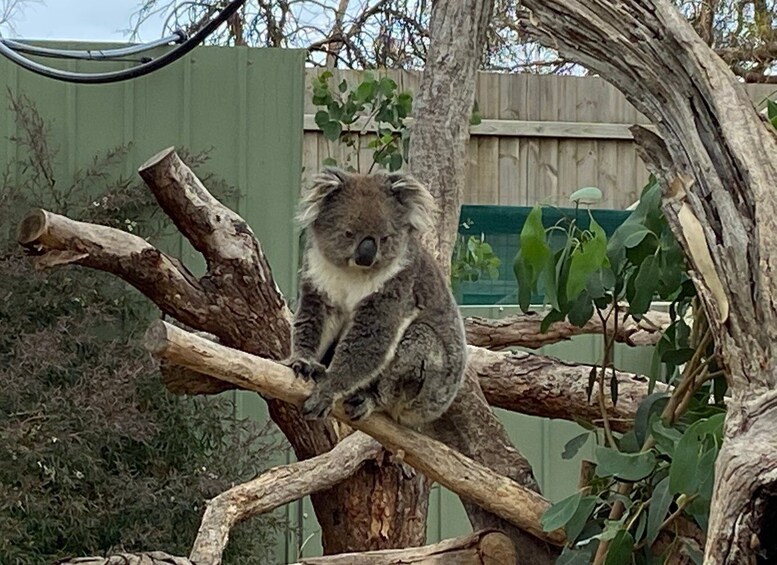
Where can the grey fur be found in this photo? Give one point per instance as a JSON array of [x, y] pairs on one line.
[[388, 336]]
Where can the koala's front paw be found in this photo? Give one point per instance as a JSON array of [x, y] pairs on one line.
[[358, 406], [318, 405], [307, 369]]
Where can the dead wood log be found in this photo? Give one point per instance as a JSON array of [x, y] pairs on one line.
[[486, 547], [523, 330], [715, 157], [145, 558], [473, 481], [547, 387], [275, 488]]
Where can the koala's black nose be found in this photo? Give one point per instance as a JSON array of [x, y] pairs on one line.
[[365, 252]]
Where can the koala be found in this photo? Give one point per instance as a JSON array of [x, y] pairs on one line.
[[376, 324]]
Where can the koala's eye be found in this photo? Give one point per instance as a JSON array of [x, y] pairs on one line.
[[384, 239], [348, 234]]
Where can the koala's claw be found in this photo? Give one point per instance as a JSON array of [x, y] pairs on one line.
[[307, 369], [317, 406], [358, 406]]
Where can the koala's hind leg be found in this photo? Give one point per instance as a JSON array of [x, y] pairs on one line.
[[416, 387]]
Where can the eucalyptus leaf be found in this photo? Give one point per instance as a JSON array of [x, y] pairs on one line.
[[645, 284], [624, 466], [560, 513], [659, 506], [575, 525], [573, 445], [621, 547], [650, 406], [586, 259], [586, 195]]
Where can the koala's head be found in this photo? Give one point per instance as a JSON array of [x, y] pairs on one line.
[[364, 221]]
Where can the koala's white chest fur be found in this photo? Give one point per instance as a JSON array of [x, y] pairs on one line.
[[345, 289]]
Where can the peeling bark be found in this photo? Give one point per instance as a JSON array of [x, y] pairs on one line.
[[546, 387], [523, 330]]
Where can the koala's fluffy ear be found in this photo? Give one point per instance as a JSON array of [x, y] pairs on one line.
[[325, 183], [415, 199]]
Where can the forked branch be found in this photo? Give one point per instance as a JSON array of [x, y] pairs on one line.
[[275, 488], [473, 481]]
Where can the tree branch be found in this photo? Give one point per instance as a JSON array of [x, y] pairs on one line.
[[487, 547], [523, 330], [549, 388], [473, 481], [56, 240], [213, 229], [275, 488]]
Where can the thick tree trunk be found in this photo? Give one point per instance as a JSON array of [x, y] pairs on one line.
[[715, 156], [438, 157]]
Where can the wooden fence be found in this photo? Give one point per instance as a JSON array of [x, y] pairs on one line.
[[540, 139]]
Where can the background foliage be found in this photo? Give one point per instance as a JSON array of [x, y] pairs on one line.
[[95, 456]]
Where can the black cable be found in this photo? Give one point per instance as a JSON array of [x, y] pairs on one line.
[[125, 74], [94, 54]]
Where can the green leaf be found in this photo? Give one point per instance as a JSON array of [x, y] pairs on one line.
[[395, 162], [685, 473], [575, 525], [387, 86], [474, 118], [624, 466], [332, 130], [366, 90], [666, 438], [582, 556], [534, 245], [523, 277], [325, 76], [581, 311], [573, 445], [321, 118], [636, 237], [551, 318], [621, 547], [343, 86], [560, 513], [330, 162], [650, 406], [586, 259], [659, 506], [771, 110], [589, 389], [587, 195], [614, 388], [678, 356], [645, 285]]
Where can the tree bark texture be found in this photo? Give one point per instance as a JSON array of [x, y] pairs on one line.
[[275, 488], [500, 495], [438, 157], [715, 157], [523, 330], [487, 547]]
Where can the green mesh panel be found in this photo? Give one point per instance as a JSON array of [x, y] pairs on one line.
[[501, 226]]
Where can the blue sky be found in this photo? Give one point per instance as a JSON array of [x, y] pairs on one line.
[[98, 20]]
